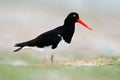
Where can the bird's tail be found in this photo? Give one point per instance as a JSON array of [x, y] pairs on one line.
[[20, 45], [23, 44], [18, 49]]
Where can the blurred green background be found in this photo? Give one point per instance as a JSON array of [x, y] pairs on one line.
[[22, 20]]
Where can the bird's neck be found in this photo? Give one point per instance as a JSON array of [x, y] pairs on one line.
[[68, 31]]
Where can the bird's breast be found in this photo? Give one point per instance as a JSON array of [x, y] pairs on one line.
[[62, 44]]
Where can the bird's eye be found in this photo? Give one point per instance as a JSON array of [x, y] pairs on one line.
[[74, 15]]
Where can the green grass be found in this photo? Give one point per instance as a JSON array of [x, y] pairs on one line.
[[59, 72], [33, 71]]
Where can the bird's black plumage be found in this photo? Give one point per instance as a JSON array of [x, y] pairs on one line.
[[54, 36]]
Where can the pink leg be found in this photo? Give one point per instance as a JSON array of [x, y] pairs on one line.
[[52, 60]]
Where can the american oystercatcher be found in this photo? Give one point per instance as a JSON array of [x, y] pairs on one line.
[[53, 37]]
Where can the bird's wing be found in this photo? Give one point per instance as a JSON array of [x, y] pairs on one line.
[[50, 38]]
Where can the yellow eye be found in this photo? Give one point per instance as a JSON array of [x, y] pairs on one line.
[[74, 15]]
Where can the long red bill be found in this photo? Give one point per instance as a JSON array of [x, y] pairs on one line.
[[85, 25]]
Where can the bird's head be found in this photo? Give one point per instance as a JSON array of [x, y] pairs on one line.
[[73, 17]]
